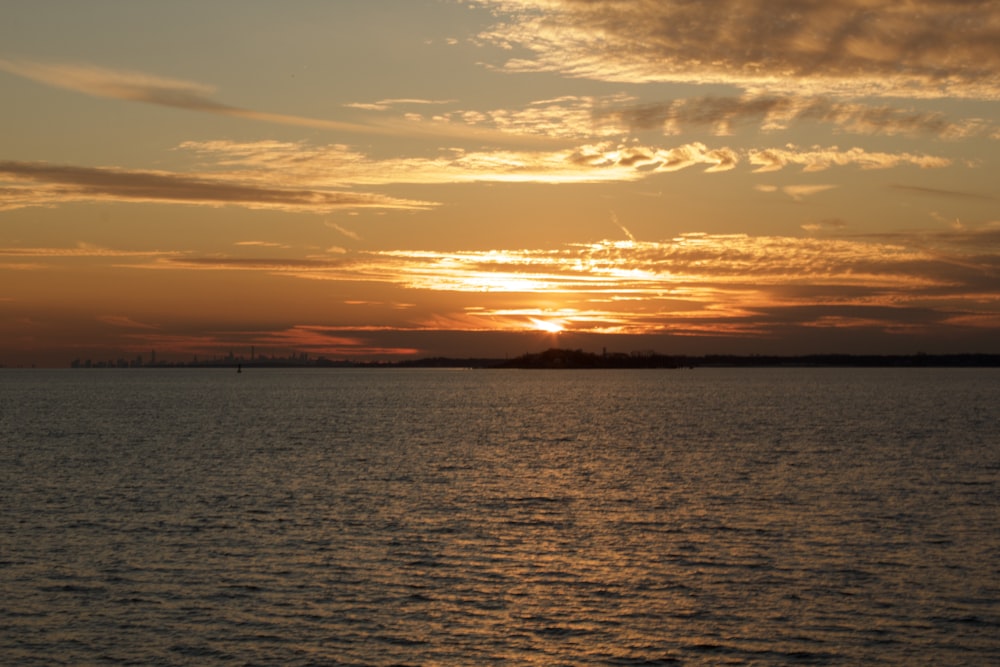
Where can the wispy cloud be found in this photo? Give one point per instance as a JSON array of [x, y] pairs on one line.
[[568, 116], [821, 158], [298, 265], [313, 339], [43, 184], [126, 322], [800, 192], [262, 244], [151, 89], [349, 233], [619, 225], [613, 116], [617, 115], [797, 192], [771, 113], [81, 249], [921, 48], [943, 192], [193, 96], [330, 165], [827, 223], [319, 339], [386, 104]]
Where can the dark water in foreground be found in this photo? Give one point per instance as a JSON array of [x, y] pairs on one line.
[[427, 517]]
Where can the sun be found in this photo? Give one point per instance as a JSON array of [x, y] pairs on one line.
[[549, 326]]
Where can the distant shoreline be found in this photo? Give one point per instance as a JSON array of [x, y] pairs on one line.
[[554, 359]]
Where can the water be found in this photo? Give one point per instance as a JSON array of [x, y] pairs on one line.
[[431, 517]]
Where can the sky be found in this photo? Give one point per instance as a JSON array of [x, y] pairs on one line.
[[392, 179]]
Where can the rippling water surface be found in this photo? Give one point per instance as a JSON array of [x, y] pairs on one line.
[[429, 517]]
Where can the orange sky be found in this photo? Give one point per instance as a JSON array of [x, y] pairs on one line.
[[409, 178]]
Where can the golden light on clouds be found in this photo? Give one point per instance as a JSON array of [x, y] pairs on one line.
[[642, 287]]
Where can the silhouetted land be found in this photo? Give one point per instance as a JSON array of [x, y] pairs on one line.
[[555, 358], [568, 359]]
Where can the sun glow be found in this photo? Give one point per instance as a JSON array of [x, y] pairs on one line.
[[549, 326]]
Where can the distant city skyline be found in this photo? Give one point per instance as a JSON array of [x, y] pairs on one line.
[[397, 179]]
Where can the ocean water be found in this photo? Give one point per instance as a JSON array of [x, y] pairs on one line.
[[486, 517]]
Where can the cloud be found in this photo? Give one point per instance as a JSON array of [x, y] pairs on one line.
[[384, 105], [80, 250], [150, 89], [619, 225], [262, 244], [822, 158], [941, 192], [827, 223], [327, 340], [568, 116], [800, 192], [296, 163], [269, 264], [771, 112], [981, 239], [123, 321], [192, 96], [920, 48], [119, 84], [49, 185], [354, 236], [313, 339]]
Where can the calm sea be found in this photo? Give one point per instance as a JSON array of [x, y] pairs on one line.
[[486, 517]]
